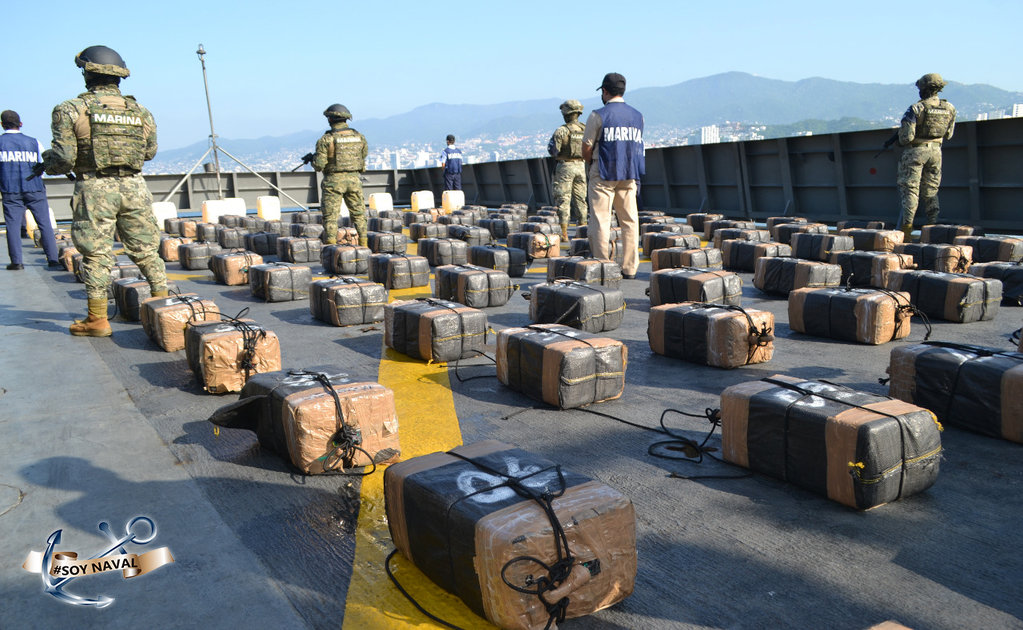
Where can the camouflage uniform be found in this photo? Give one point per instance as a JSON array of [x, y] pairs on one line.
[[925, 125], [104, 138], [566, 146], [341, 155]]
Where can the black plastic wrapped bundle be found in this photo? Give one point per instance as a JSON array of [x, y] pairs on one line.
[[581, 247], [859, 449], [589, 270], [773, 221], [674, 228], [473, 286], [172, 226], [743, 255], [263, 243], [954, 297], [208, 232], [588, 307], [345, 259], [390, 214], [305, 216], [784, 232], [653, 241], [381, 224], [196, 256], [456, 219], [710, 226], [779, 276], [399, 271], [500, 228], [444, 251], [510, 260], [408, 218], [299, 249], [387, 243], [818, 246], [699, 220], [741, 234], [533, 226], [861, 224], [418, 231], [231, 238], [280, 282], [938, 257], [542, 218], [278, 227], [870, 269], [674, 257], [347, 301], [1009, 273], [307, 230], [254, 224], [434, 330], [472, 235], [692, 284], [231, 220], [946, 233], [993, 248], [130, 293]]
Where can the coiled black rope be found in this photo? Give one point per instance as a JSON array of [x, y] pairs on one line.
[[252, 334]]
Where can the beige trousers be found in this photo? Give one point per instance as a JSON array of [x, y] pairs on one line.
[[619, 196]]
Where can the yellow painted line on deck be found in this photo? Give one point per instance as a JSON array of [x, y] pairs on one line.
[[186, 276], [427, 422]]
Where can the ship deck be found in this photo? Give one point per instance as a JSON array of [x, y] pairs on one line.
[[107, 429]]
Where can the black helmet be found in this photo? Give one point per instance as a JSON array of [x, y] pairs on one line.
[[337, 110], [101, 60]]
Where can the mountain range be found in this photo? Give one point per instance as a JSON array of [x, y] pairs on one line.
[[731, 96]]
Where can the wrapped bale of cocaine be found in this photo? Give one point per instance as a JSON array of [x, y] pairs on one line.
[[387, 243], [381, 224], [510, 260], [782, 233], [456, 219], [614, 234], [692, 284], [818, 246], [942, 233], [432, 329], [232, 268], [870, 269], [305, 216], [698, 220], [780, 276], [500, 227], [993, 248], [195, 256], [581, 247], [948, 258], [541, 227], [280, 282], [674, 228], [1009, 273], [172, 226], [725, 234], [254, 224], [560, 365], [588, 307], [164, 318], [872, 316], [473, 286], [346, 236], [399, 271], [68, 252], [743, 255], [390, 214], [444, 251], [542, 218], [856, 448], [483, 520], [709, 227], [975, 388], [232, 238], [773, 221], [588, 270], [536, 244], [317, 418], [207, 232], [277, 227], [263, 243], [652, 241], [954, 297], [470, 234], [187, 228], [130, 293], [674, 257], [861, 224], [711, 334], [409, 217], [169, 247], [224, 355], [231, 220], [299, 249], [874, 240], [347, 301], [121, 269], [419, 231], [345, 260]]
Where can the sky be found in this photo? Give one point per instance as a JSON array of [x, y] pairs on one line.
[[273, 67]]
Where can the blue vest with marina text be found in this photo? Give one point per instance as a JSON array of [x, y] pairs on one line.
[[620, 145], [452, 160], [18, 154]]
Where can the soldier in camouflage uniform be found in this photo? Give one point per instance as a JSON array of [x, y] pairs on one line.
[[925, 125], [341, 155], [105, 138], [566, 146]]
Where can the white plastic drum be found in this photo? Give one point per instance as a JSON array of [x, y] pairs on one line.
[[452, 200], [268, 207], [422, 200]]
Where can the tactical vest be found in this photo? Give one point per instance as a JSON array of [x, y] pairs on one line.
[[452, 160], [573, 149], [111, 132], [934, 120], [344, 152], [18, 154], [620, 143]]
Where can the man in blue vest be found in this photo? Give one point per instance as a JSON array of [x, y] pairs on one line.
[[613, 151], [451, 157], [18, 154]]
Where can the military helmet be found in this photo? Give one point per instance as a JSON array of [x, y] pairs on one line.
[[571, 106], [931, 79], [337, 110], [101, 60]]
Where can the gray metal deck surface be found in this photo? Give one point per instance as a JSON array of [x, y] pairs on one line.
[[105, 429]]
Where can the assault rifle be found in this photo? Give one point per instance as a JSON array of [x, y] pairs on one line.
[[307, 158], [888, 143], [39, 168]]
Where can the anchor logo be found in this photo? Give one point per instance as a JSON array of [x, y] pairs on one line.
[[59, 569]]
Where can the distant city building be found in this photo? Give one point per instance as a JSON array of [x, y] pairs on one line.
[[1017, 110], [710, 135], [982, 116]]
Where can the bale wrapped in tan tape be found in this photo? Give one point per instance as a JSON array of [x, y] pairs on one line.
[[224, 355], [164, 318], [773, 221], [399, 271], [444, 251], [653, 241], [590, 307], [946, 233], [488, 512], [187, 228], [387, 242], [818, 246], [589, 270], [947, 258], [232, 268], [169, 247], [347, 236], [783, 232], [954, 297], [870, 269], [67, 253], [698, 220], [993, 248], [710, 226], [780, 276], [196, 256], [318, 419], [975, 388], [861, 224], [711, 334], [280, 282], [473, 286], [692, 284], [740, 255], [676, 257], [870, 316], [741, 234], [130, 293], [1009, 273], [874, 240], [536, 244], [856, 448], [560, 365], [432, 329], [207, 232], [347, 301]]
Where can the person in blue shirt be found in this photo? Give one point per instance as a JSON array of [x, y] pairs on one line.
[[451, 159], [613, 149], [18, 154]]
